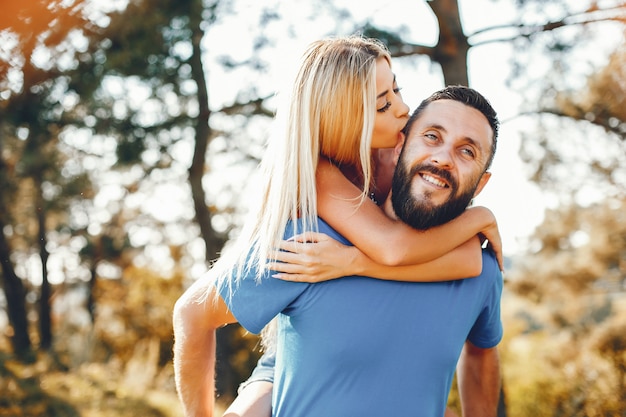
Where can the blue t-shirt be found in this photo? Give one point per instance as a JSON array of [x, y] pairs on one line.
[[362, 347]]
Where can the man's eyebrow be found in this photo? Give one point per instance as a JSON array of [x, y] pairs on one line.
[[474, 142], [384, 93], [436, 126], [466, 138]]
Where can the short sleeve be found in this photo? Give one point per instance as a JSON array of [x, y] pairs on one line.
[[487, 331], [255, 302], [264, 370]]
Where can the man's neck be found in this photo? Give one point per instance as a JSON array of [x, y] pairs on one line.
[[387, 207]]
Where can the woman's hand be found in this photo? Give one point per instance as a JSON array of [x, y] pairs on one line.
[[313, 257], [492, 234]]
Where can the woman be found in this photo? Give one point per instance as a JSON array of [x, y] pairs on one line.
[[322, 164]]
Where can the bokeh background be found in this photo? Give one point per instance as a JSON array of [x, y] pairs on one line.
[[130, 131]]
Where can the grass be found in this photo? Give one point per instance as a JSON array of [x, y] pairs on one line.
[[42, 389]]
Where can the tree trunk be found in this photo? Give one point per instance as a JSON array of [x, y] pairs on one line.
[[91, 302], [452, 45], [45, 324], [16, 300], [226, 383], [212, 242], [11, 283]]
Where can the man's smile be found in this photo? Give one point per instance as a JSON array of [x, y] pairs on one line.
[[432, 180]]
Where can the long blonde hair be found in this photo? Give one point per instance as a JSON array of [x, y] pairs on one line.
[[330, 113]]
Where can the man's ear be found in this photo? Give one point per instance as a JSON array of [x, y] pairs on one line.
[[398, 148], [484, 179]]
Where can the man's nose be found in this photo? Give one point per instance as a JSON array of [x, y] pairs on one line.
[[442, 158]]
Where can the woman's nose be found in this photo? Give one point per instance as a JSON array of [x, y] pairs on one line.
[[403, 109]]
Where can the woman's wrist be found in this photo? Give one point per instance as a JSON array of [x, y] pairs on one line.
[[485, 217], [358, 263]]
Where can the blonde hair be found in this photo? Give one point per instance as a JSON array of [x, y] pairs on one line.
[[330, 113]]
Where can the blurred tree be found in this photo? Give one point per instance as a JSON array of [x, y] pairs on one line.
[[453, 44], [161, 56], [58, 87], [575, 271], [592, 161], [577, 250], [37, 36], [611, 344], [575, 280], [12, 284], [576, 268], [603, 101]]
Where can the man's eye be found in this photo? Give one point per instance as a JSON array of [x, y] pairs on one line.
[[468, 152]]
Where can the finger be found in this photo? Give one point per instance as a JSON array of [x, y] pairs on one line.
[[307, 237], [303, 249], [285, 268], [500, 260], [499, 256], [289, 246], [497, 250], [291, 258], [296, 277], [290, 277], [292, 263]]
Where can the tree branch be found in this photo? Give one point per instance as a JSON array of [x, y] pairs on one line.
[[580, 117], [526, 31]]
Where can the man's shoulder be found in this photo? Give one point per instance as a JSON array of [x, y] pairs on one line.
[[322, 227], [491, 268]]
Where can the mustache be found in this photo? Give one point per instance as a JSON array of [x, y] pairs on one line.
[[441, 173], [418, 211]]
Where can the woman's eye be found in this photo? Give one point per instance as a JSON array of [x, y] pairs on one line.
[[384, 108]]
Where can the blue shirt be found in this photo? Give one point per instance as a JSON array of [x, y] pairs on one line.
[[361, 347]]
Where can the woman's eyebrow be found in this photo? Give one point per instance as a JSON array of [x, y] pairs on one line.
[[384, 93]]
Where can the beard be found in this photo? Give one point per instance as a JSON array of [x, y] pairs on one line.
[[420, 212]]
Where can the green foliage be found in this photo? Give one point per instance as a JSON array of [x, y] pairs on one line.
[[392, 40]]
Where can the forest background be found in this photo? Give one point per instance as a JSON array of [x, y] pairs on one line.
[[130, 131]]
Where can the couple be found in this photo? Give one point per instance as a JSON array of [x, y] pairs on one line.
[[349, 346]]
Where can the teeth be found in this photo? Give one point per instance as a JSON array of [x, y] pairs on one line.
[[433, 180]]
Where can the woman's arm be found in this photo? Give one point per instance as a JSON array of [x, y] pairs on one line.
[[317, 257], [255, 400], [464, 261], [391, 242]]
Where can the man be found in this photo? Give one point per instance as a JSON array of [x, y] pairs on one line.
[[359, 346]]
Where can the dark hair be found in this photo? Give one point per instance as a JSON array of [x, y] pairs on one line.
[[469, 97]]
